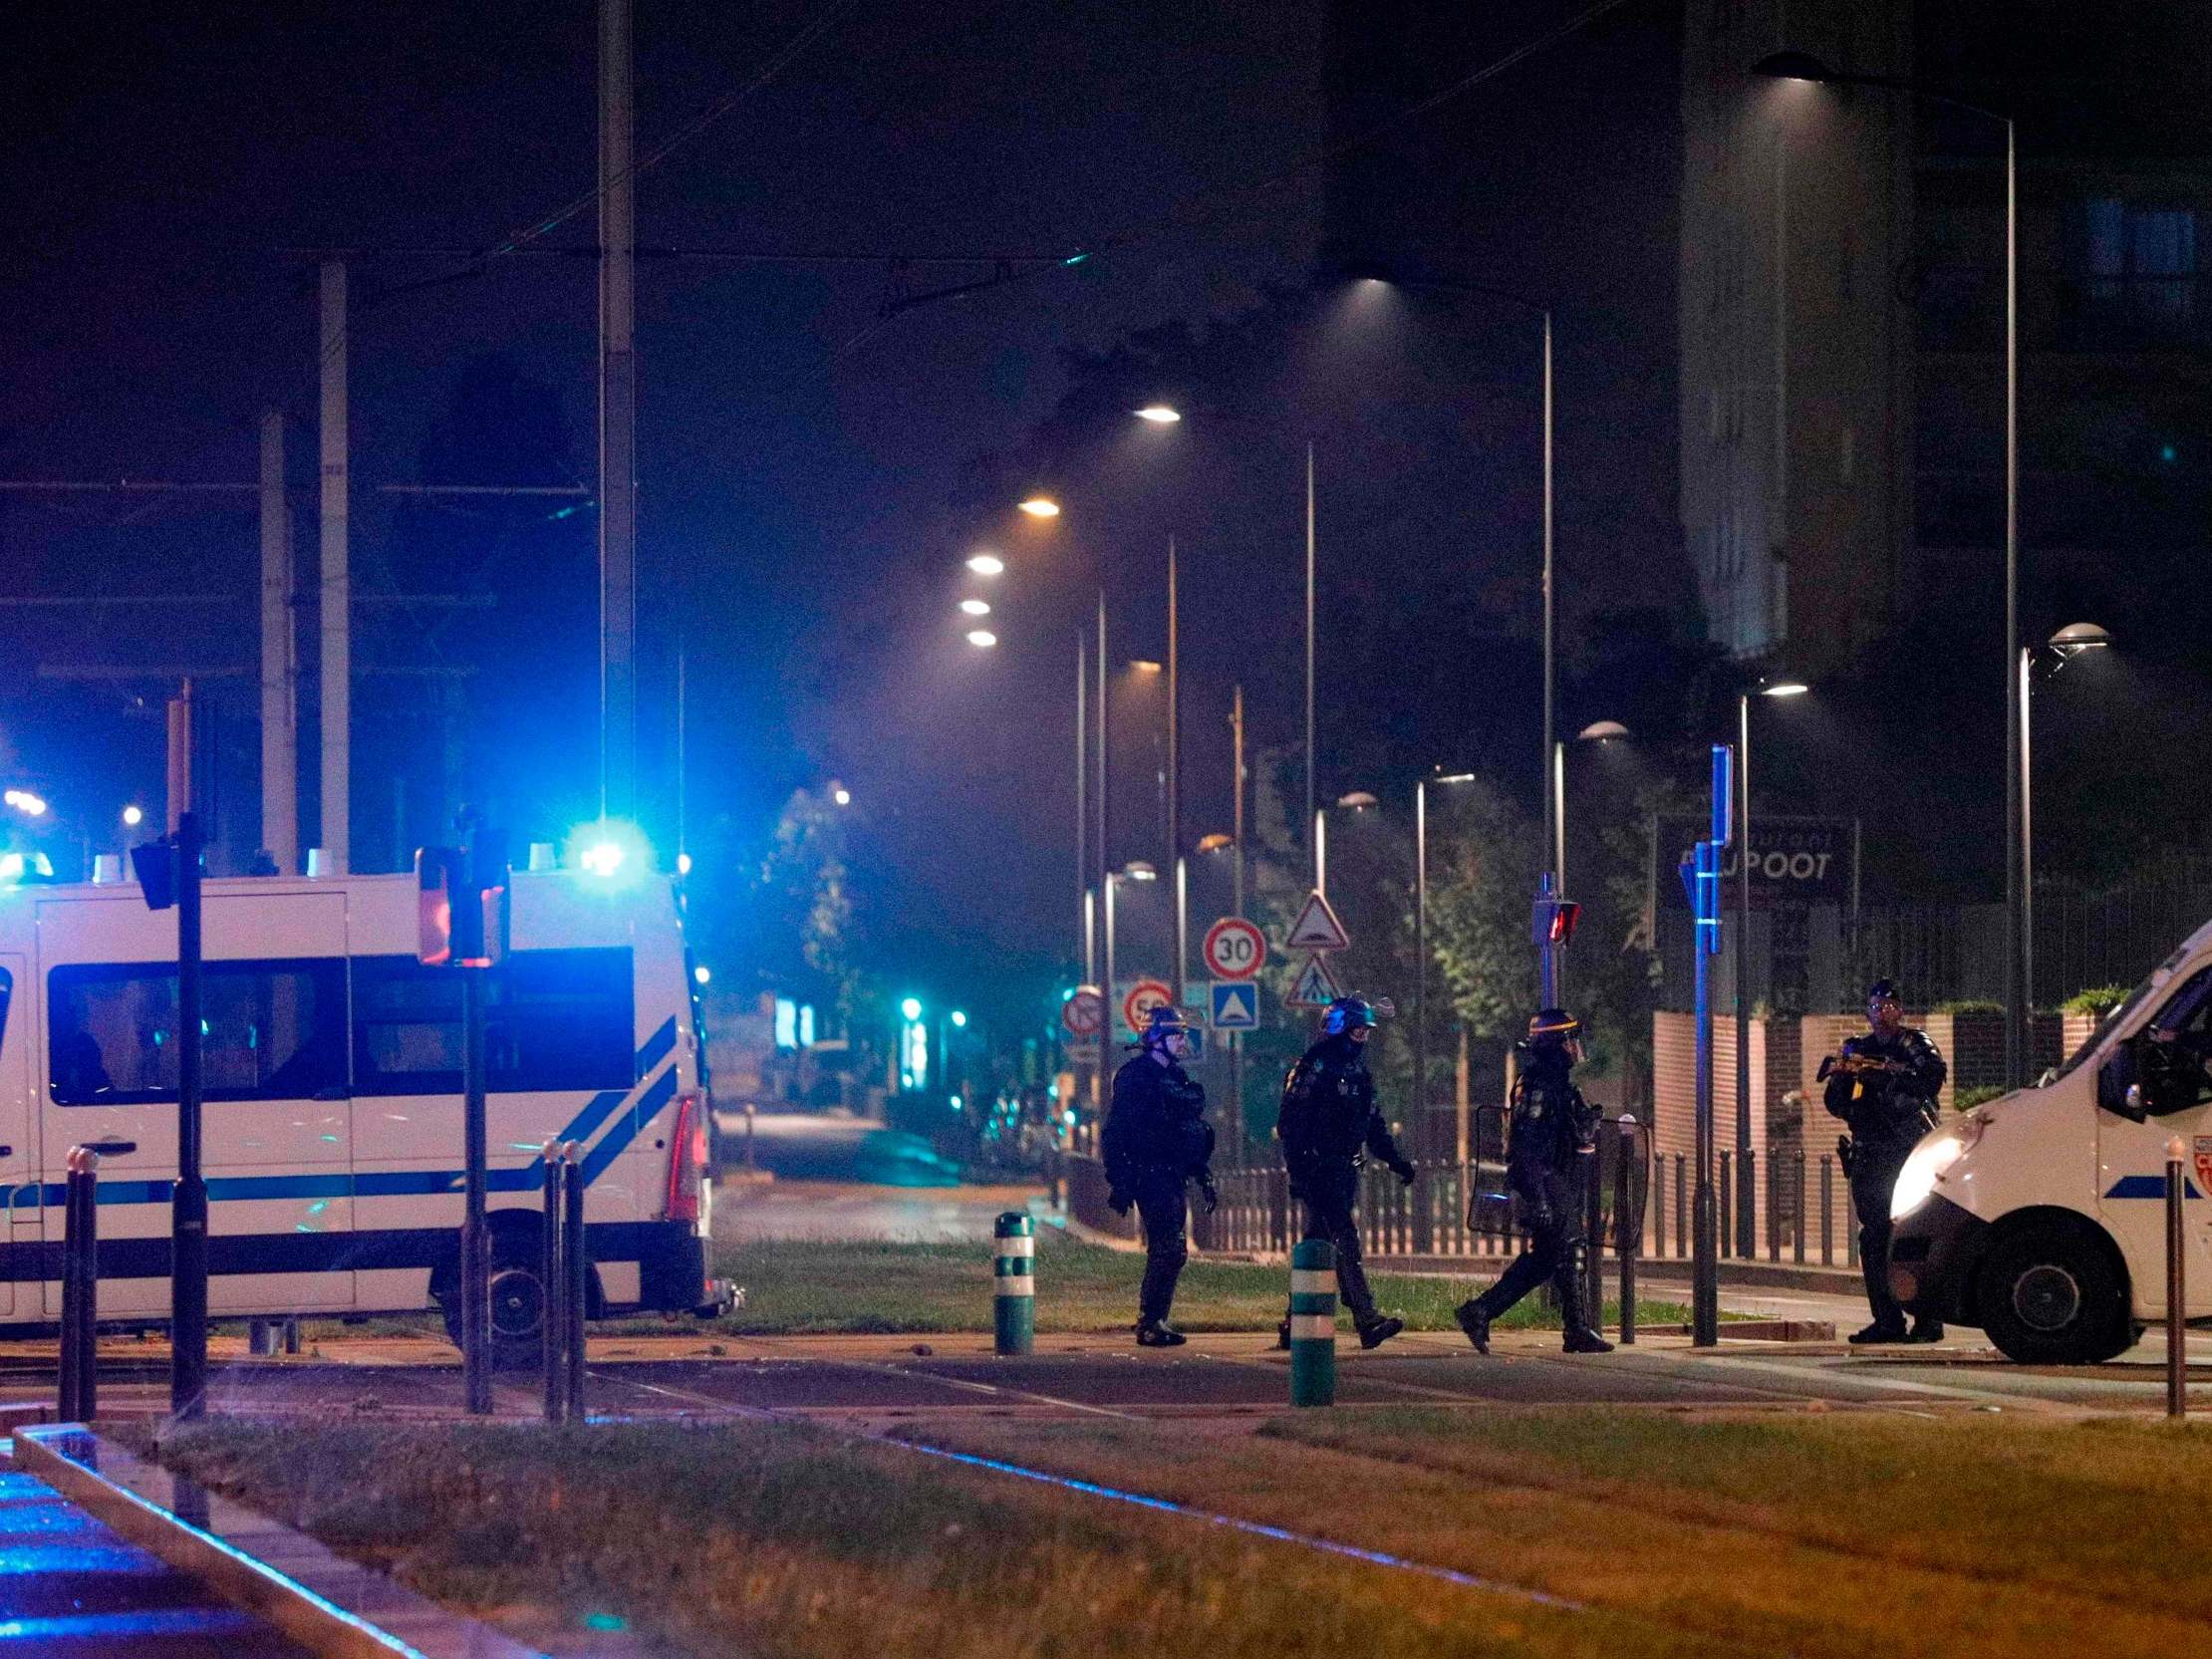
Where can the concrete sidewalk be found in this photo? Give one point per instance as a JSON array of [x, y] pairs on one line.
[[72, 1590]]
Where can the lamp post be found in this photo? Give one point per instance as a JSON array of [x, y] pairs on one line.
[[2069, 642], [1746, 1178], [1552, 880], [1421, 951], [1137, 870], [1803, 66]]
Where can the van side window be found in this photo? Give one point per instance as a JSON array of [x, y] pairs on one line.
[[554, 1020], [271, 1030], [2174, 1050]]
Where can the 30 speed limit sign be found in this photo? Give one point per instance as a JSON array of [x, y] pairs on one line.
[[1234, 949]]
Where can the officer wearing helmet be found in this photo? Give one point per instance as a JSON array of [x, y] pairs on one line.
[[1156, 1141], [1329, 1126], [1553, 1131], [1883, 1086]]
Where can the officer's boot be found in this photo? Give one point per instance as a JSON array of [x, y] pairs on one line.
[[1577, 1336]]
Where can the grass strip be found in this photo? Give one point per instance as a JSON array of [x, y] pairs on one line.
[[782, 1539], [1919, 1568], [807, 1288]]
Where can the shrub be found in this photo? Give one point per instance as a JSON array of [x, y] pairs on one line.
[[1965, 1100], [2096, 1001]]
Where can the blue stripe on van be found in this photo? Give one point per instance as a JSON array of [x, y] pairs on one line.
[[529, 1178], [2149, 1187], [656, 1048]]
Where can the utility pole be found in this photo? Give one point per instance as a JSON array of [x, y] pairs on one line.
[[1310, 818], [1175, 801], [1237, 908], [336, 609], [188, 1198], [280, 759], [618, 438]]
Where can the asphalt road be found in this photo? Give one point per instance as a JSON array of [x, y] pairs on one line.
[[822, 1146], [824, 1210]]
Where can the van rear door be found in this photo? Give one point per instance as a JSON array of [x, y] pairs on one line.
[[2131, 1157]]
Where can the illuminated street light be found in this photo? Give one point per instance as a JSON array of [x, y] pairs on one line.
[[2077, 637], [1215, 842], [986, 564], [684, 864], [701, 974], [976, 607], [1359, 801], [983, 639], [911, 1009], [1137, 870], [1612, 731], [841, 795], [1160, 414], [1041, 506], [1143, 666], [603, 858], [134, 816], [25, 802], [1784, 689], [959, 1019]]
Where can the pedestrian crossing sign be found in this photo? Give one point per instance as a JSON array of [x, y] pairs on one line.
[[1235, 1006], [1316, 986]]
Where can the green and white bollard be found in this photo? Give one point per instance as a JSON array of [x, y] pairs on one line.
[[1313, 1324], [1014, 1322]]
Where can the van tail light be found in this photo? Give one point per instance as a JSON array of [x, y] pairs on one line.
[[687, 1159]]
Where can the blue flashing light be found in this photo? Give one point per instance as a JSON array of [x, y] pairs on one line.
[[959, 1019], [1070, 1116], [605, 1621], [613, 851], [2168, 453], [1075, 259], [956, 1103], [11, 867]]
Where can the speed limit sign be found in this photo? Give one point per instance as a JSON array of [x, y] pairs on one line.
[[1234, 949]]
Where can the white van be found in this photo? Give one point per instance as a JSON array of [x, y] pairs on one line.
[[332, 1127], [2041, 1216]]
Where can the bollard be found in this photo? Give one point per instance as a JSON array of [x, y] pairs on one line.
[[2177, 1303], [750, 1111], [263, 1336], [1681, 1209], [576, 1282], [1013, 1283], [1827, 1212], [1627, 1238], [553, 1277], [1313, 1324], [292, 1335], [72, 1291], [1592, 1276], [1797, 1213], [1726, 1192]]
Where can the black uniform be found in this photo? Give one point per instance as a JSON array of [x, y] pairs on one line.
[[1553, 1131], [1329, 1126], [1886, 1112], [1157, 1139]]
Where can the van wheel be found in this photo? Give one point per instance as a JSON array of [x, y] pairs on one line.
[[517, 1307], [2049, 1295]]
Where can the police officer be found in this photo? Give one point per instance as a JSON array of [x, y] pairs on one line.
[[1883, 1086], [1156, 1140], [1329, 1126], [1550, 1140]]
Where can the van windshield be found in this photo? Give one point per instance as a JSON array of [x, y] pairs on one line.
[[2106, 1025]]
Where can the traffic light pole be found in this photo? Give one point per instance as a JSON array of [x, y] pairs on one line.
[[1705, 904], [188, 1198]]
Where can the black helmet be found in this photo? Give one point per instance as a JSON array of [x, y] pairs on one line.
[[1885, 991], [1348, 1013], [1165, 1021], [1552, 1027]]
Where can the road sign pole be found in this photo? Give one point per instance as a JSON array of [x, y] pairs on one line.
[[475, 1290]]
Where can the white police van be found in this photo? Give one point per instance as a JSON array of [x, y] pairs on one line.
[[332, 1126], [2041, 1216]]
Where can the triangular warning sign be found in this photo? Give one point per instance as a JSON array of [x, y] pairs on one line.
[[1316, 986], [1317, 928]]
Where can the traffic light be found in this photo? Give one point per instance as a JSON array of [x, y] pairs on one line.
[[1553, 922]]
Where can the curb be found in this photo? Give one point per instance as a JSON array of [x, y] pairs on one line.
[[326, 1604]]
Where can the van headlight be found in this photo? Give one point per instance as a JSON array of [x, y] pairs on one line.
[[1925, 1167]]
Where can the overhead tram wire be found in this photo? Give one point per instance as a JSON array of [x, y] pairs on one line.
[[1188, 210]]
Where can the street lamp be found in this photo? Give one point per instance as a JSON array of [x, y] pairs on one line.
[[133, 816], [1554, 880], [976, 607], [1041, 506], [2069, 642], [1746, 1184], [1136, 870], [983, 639], [1421, 953], [986, 564], [1803, 66], [1160, 414]]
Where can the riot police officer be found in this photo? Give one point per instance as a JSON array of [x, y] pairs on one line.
[[1552, 1138], [1329, 1126], [1883, 1086], [1156, 1141]]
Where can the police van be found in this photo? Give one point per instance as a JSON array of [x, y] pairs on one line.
[[2041, 1216], [332, 1123]]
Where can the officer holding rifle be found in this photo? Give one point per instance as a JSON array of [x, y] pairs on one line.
[[1883, 1086]]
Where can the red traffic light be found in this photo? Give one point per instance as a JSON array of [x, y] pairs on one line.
[[1564, 913]]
